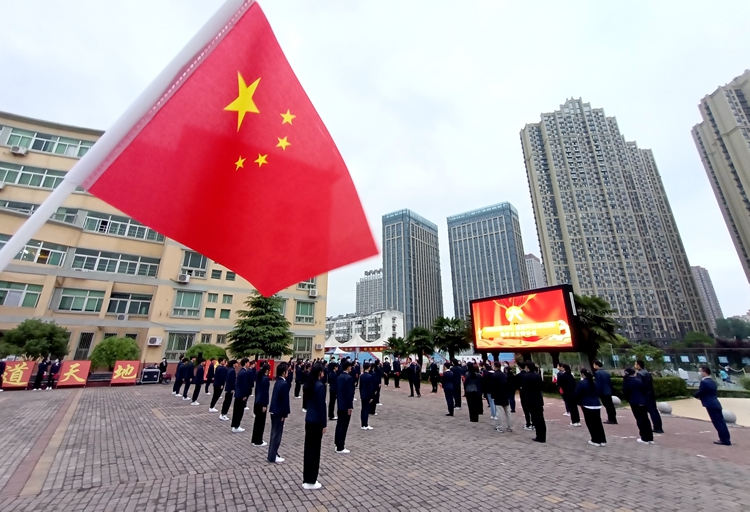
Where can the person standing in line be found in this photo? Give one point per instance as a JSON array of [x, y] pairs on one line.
[[447, 381], [366, 392], [305, 377], [229, 388], [434, 375], [485, 382], [253, 369], [396, 371], [198, 381], [53, 370], [356, 371], [499, 392], [520, 379], [345, 404], [567, 384], [376, 373], [260, 408], [333, 377], [188, 374], [587, 396], [604, 384], [386, 371], [162, 369], [241, 393], [41, 369], [531, 397], [299, 377], [648, 386], [280, 409], [210, 372], [220, 378], [407, 375], [315, 427], [635, 394], [511, 386], [707, 395], [178, 376], [458, 374], [473, 397], [415, 374]]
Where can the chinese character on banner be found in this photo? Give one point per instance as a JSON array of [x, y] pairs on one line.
[[125, 372], [73, 373], [17, 374]]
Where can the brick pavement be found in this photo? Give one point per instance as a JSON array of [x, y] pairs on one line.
[[140, 448]]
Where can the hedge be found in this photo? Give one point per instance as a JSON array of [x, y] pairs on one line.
[[664, 387]]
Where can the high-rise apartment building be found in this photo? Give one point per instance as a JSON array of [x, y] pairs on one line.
[[486, 252], [99, 273], [708, 295], [370, 292], [411, 268], [605, 224], [723, 141], [535, 270], [378, 325]]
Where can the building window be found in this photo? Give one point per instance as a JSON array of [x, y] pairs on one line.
[[66, 215], [306, 285], [72, 299], [187, 304], [43, 253], [221, 339], [132, 336], [305, 313], [213, 297], [230, 276], [302, 347], [210, 313], [216, 274], [224, 313], [115, 263], [177, 344], [108, 335], [119, 226], [226, 299], [13, 174], [22, 295], [282, 306], [65, 146], [194, 264], [206, 338], [130, 303], [84, 345]]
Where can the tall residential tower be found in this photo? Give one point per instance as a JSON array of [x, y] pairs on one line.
[[708, 295], [534, 268], [486, 253], [605, 224], [370, 292], [411, 268]]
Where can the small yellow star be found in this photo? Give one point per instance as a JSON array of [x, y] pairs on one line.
[[283, 143], [239, 163], [244, 102], [287, 117], [261, 160]]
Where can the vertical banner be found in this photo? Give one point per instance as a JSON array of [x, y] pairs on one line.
[[73, 373], [17, 374], [126, 372]]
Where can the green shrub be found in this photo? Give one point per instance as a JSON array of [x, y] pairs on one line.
[[664, 387], [110, 350], [732, 393], [745, 382], [206, 350]]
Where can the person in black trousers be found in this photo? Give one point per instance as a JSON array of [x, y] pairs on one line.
[[261, 405], [458, 374], [210, 372], [511, 387], [241, 393], [472, 391], [604, 385], [707, 395], [187, 375], [386, 371], [40, 374], [567, 383], [447, 382], [53, 370], [229, 388], [162, 369], [305, 378], [376, 373], [415, 377], [587, 396], [434, 375], [406, 373], [315, 427], [280, 410], [198, 381], [532, 399], [520, 378], [345, 399], [366, 392], [333, 376], [635, 394], [396, 371], [220, 378], [299, 377], [648, 386], [178, 376]]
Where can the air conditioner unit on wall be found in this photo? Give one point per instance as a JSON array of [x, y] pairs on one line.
[[122, 317], [19, 150], [183, 278], [318, 346], [312, 292], [154, 341]]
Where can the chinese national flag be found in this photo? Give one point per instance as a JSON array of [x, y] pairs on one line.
[[237, 165]]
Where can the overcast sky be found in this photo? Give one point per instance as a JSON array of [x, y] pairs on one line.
[[425, 99]]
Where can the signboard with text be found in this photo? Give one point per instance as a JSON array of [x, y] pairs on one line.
[[73, 373], [126, 372], [17, 374]]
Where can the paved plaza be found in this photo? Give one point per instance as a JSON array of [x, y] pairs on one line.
[[140, 448]]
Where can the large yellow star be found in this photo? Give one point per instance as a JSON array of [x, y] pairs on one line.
[[239, 163], [287, 117], [261, 160], [244, 102], [283, 143]]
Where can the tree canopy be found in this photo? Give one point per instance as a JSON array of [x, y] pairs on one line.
[[261, 329], [33, 339], [397, 346], [695, 340], [597, 324], [419, 341], [110, 350], [733, 328], [450, 335], [206, 350]]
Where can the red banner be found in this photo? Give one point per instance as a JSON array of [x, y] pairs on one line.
[[17, 374], [73, 373], [126, 372]]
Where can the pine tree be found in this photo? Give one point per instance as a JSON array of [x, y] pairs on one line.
[[261, 329]]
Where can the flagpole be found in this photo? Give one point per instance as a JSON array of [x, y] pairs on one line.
[[146, 104]]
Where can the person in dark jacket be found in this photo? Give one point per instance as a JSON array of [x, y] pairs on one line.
[[345, 405], [305, 378], [567, 383], [396, 371], [511, 387], [377, 373], [299, 377], [458, 374], [434, 372], [604, 385], [280, 409], [333, 376], [210, 372], [406, 374], [229, 386], [178, 376], [415, 377], [260, 408], [252, 378], [198, 381], [526, 409], [53, 370], [315, 427], [635, 394], [220, 379], [41, 369], [386, 371], [2, 371], [162, 369], [532, 399], [707, 395], [187, 374], [498, 388], [447, 380], [241, 394], [471, 389], [587, 396], [648, 386], [366, 395]]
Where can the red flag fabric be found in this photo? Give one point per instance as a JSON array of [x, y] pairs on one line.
[[236, 164]]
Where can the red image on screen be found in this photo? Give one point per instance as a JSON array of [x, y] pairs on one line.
[[533, 321]]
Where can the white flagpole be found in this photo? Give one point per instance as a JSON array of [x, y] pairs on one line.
[[182, 64]]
